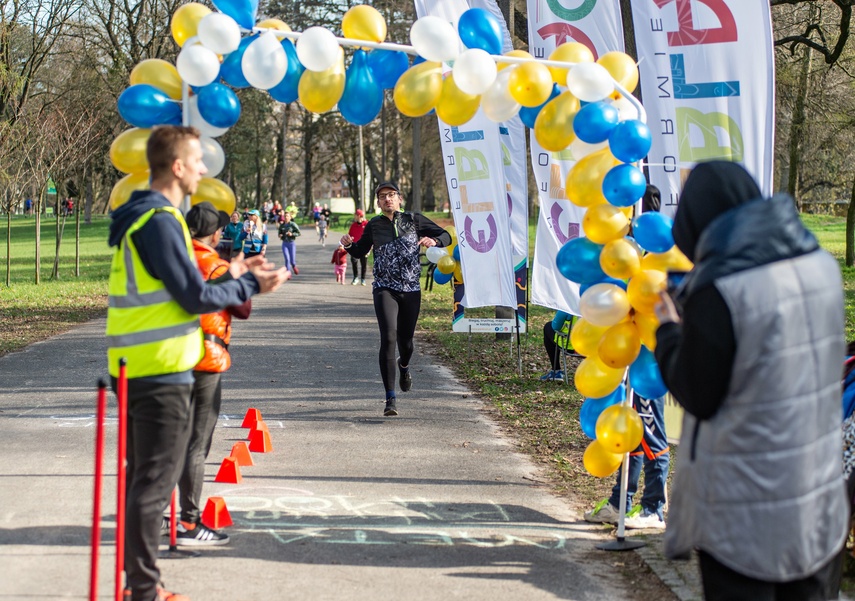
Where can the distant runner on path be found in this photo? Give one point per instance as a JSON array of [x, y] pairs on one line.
[[396, 238]]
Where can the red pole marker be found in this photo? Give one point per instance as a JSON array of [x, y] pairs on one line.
[[101, 409], [122, 396], [173, 523]]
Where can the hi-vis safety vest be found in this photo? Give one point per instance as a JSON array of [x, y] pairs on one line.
[[144, 323]]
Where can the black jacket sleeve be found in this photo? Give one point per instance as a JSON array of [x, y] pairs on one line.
[[696, 357], [163, 253], [426, 227], [362, 247]]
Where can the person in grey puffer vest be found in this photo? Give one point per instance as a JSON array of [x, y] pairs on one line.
[[755, 361]]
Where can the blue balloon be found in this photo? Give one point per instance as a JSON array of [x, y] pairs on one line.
[[606, 280], [143, 105], [592, 408], [362, 98], [624, 185], [594, 122], [479, 28], [231, 70], [579, 261], [286, 90], [528, 115], [219, 105], [242, 11], [387, 66], [441, 278], [456, 253], [630, 141], [653, 232], [644, 376], [419, 59]]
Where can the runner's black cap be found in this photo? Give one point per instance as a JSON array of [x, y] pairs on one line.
[[389, 185]]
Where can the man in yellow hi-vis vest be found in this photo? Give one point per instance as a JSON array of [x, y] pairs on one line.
[[156, 295]]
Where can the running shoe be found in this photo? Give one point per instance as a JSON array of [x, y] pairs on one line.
[[390, 410], [200, 536]]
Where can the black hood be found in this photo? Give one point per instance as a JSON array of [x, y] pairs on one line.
[[124, 217], [711, 189]]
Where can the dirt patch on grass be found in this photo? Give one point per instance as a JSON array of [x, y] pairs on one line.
[[24, 326]]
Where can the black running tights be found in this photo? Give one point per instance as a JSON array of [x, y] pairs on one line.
[[397, 313]]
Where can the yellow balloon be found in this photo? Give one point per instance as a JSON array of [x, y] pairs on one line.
[[619, 259], [604, 223], [585, 180], [185, 21], [446, 264], [515, 53], [458, 273], [568, 52], [127, 152], [585, 337], [599, 462], [644, 288], [452, 231], [320, 91], [620, 345], [594, 379], [364, 22], [277, 24], [456, 107], [622, 68], [647, 324], [217, 193], [160, 74], [553, 127], [671, 260], [124, 187], [418, 89], [619, 429], [530, 84]]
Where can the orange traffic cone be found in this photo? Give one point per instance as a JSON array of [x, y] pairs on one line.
[[229, 471], [259, 425], [240, 453], [216, 514], [252, 415], [259, 441]]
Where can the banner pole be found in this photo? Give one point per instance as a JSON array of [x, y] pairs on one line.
[[122, 397]]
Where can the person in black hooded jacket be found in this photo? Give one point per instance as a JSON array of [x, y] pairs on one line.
[[754, 358]]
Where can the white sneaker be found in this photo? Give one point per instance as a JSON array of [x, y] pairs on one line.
[[649, 521], [355, 281], [603, 513]]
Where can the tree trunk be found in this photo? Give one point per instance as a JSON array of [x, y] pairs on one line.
[[54, 273], [504, 313], [850, 229], [87, 217], [416, 204], [38, 236], [9, 248], [77, 243], [797, 128], [308, 132]]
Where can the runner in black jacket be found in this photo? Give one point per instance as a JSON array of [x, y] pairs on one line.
[[396, 238]]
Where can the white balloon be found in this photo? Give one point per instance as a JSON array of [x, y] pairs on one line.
[[474, 71], [317, 49], [219, 33], [212, 156], [435, 39], [264, 62], [435, 253], [604, 305], [196, 120], [626, 110], [582, 149], [197, 65], [497, 102], [590, 82]]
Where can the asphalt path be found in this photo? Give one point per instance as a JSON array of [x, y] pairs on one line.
[[433, 504]]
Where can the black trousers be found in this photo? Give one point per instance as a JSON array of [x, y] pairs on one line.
[[362, 262], [158, 431], [205, 409], [723, 584], [397, 314], [551, 348]]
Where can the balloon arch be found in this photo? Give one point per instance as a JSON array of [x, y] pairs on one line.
[[568, 101]]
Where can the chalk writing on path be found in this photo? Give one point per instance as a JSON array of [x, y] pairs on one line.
[[340, 519]]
